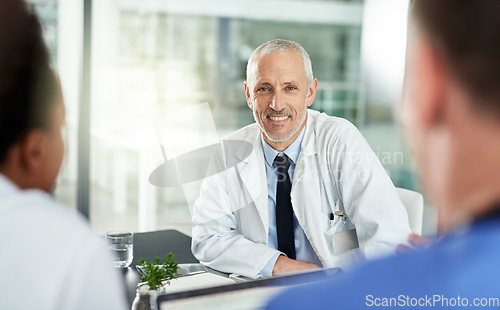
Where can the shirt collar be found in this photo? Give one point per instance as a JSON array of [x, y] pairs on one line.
[[292, 151], [6, 186]]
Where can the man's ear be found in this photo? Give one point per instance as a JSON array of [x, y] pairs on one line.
[[32, 150], [311, 92], [433, 80], [247, 94]]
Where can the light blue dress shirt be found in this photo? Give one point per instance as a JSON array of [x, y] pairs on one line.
[[303, 248]]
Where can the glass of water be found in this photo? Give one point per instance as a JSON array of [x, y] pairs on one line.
[[121, 246]]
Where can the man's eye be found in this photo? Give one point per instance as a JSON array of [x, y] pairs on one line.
[[261, 89], [291, 88]]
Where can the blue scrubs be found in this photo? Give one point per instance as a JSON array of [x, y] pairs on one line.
[[461, 271]]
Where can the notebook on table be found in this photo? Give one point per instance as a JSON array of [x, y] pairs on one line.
[[244, 295]]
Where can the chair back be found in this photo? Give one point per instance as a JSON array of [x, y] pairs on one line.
[[414, 204]]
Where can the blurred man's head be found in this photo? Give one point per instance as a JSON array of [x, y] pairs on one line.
[[451, 108], [279, 88], [31, 107]]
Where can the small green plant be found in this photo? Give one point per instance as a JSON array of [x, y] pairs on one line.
[[156, 273]]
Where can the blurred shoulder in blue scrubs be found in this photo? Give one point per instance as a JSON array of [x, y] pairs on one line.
[[451, 115], [331, 206], [50, 258]]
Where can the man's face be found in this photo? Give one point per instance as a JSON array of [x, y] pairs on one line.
[[422, 94], [410, 102], [278, 94]]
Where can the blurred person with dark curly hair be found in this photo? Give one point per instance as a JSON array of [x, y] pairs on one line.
[[50, 258]]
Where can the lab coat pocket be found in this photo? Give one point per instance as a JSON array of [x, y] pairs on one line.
[[345, 241], [341, 233]]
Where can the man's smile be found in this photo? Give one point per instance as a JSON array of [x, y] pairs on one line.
[[278, 118]]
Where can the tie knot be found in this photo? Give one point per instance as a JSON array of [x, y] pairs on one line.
[[282, 161]]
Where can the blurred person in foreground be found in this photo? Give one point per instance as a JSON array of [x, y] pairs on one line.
[[50, 259], [451, 114]]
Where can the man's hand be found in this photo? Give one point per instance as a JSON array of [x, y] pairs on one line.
[[285, 264], [416, 241]]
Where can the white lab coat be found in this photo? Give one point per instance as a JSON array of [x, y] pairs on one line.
[[336, 170], [50, 259]]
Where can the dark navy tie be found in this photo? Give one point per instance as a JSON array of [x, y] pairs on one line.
[[284, 211]]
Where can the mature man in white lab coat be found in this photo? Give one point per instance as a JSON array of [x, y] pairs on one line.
[[342, 207]]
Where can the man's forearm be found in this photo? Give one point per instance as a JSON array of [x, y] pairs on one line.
[[285, 264]]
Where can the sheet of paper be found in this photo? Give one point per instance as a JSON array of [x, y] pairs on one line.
[[197, 281]]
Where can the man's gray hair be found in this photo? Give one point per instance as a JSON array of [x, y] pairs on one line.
[[280, 46]]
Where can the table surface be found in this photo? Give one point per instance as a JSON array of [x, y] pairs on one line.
[[150, 245]]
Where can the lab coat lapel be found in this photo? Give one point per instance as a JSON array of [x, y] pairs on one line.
[[253, 176], [306, 190]]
